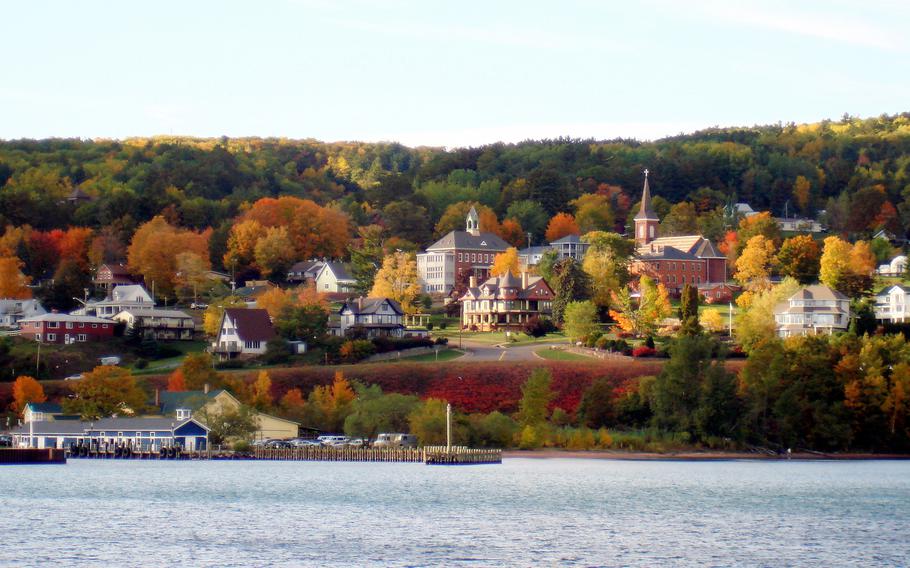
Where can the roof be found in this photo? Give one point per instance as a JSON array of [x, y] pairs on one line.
[[465, 240], [46, 407], [509, 281], [887, 291], [493, 284], [339, 270], [156, 312], [169, 402], [666, 253], [646, 211], [694, 245], [130, 293], [20, 306], [65, 317], [252, 324], [364, 306], [531, 251], [105, 424], [818, 292], [304, 266], [567, 240], [116, 269]]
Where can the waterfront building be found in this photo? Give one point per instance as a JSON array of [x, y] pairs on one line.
[[66, 328], [148, 434], [45, 412], [458, 255], [674, 261], [813, 310], [505, 302], [243, 332], [371, 317], [182, 405]]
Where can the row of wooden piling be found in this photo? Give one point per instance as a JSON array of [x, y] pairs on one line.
[[428, 455]]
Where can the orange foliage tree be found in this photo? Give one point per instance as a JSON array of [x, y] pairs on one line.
[[313, 230], [13, 284], [154, 249], [25, 390], [275, 300], [561, 225], [176, 382]]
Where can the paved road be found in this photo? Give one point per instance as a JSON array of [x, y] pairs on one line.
[[476, 351]]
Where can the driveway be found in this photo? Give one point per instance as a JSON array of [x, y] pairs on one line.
[[476, 351]]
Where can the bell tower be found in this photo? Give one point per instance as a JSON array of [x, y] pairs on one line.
[[473, 222], [646, 220]]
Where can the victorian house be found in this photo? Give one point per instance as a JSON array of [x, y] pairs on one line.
[[505, 302]]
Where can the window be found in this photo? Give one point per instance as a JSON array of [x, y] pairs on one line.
[[37, 337], [459, 257], [94, 325], [52, 324], [104, 326], [52, 337], [81, 324], [69, 325], [81, 337]]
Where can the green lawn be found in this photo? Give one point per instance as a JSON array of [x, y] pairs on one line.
[[498, 337], [444, 355], [560, 355], [163, 365]]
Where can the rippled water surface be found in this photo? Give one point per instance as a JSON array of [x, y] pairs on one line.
[[525, 512]]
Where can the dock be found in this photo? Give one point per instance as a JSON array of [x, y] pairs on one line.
[[21, 456], [430, 455]]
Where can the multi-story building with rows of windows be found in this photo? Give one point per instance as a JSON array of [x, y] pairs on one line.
[[457, 256], [674, 261]]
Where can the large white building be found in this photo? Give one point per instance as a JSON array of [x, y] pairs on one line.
[[893, 304], [812, 310]]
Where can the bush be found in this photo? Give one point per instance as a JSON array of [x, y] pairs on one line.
[[241, 446], [644, 351], [141, 363], [538, 327], [429, 326], [356, 350], [443, 325], [649, 342], [591, 340], [231, 364], [277, 351], [387, 344], [442, 341]]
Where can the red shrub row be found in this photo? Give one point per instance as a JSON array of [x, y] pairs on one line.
[[643, 351]]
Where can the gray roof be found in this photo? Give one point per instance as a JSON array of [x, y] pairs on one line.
[[568, 239], [169, 402], [645, 211], [465, 240], [105, 424], [363, 306], [339, 270], [887, 291], [156, 312], [530, 251], [46, 407], [818, 292], [67, 317], [668, 253]]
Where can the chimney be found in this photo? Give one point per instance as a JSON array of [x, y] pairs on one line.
[[157, 398], [472, 282], [524, 279], [360, 303], [206, 388]]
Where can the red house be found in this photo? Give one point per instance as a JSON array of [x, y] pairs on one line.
[[66, 329], [673, 261]]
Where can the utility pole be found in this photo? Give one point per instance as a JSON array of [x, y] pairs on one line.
[[448, 428], [730, 320]]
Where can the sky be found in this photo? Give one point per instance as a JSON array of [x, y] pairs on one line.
[[457, 73]]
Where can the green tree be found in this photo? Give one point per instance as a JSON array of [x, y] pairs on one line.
[[532, 217], [228, 425], [307, 323], [597, 407], [580, 319], [688, 311], [428, 422], [536, 394], [373, 412], [366, 256], [570, 283]]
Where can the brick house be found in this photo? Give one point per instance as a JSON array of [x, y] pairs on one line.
[[674, 261], [66, 328], [457, 255], [506, 302]]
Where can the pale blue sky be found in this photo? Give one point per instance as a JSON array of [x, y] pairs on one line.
[[444, 73]]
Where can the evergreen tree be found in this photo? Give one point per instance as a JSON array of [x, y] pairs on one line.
[[570, 284], [688, 311]]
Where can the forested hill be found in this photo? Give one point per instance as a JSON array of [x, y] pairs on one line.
[[204, 182]]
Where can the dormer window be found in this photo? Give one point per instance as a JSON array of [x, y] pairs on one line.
[[184, 413]]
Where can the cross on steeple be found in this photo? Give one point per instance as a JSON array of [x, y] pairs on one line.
[[646, 172]]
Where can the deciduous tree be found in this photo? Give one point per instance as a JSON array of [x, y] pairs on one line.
[[580, 319], [398, 280], [13, 284], [25, 390], [505, 262], [561, 225], [799, 258], [106, 391]]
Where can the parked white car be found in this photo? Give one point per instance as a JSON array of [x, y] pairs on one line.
[[333, 441]]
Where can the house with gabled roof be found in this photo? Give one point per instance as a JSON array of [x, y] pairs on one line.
[[893, 304], [334, 278], [112, 274], [120, 298], [66, 328], [673, 261], [13, 311], [373, 317], [304, 272], [457, 255], [244, 332], [505, 302], [813, 310], [197, 404], [142, 434], [158, 323]]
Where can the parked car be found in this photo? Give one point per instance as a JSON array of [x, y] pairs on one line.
[[357, 443], [6, 441], [333, 441], [198, 306], [395, 440], [278, 444], [76, 377], [304, 442]]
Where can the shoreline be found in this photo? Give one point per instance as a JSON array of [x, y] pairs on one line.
[[693, 455]]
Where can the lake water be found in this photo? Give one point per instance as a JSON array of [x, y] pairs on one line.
[[525, 512]]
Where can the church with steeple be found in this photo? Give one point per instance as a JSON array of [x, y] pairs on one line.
[[674, 261], [458, 256]]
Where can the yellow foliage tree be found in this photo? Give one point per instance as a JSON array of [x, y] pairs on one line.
[[505, 262], [397, 279], [13, 284], [835, 262], [801, 188], [275, 300], [261, 397], [274, 251], [241, 245], [211, 320], [712, 320], [753, 267]]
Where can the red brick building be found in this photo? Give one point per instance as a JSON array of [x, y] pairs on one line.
[[66, 329], [110, 275], [673, 261]]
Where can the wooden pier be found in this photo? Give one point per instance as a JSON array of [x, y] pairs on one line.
[[32, 456], [432, 455]]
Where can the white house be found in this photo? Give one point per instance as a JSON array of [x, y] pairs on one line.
[[375, 316], [896, 267], [333, 277], [813, 310], [801, 225], [243, 332], [12, 311], [158, 323], [121, 298], [893, 304]]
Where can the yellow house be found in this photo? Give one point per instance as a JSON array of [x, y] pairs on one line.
[[185, 403]]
